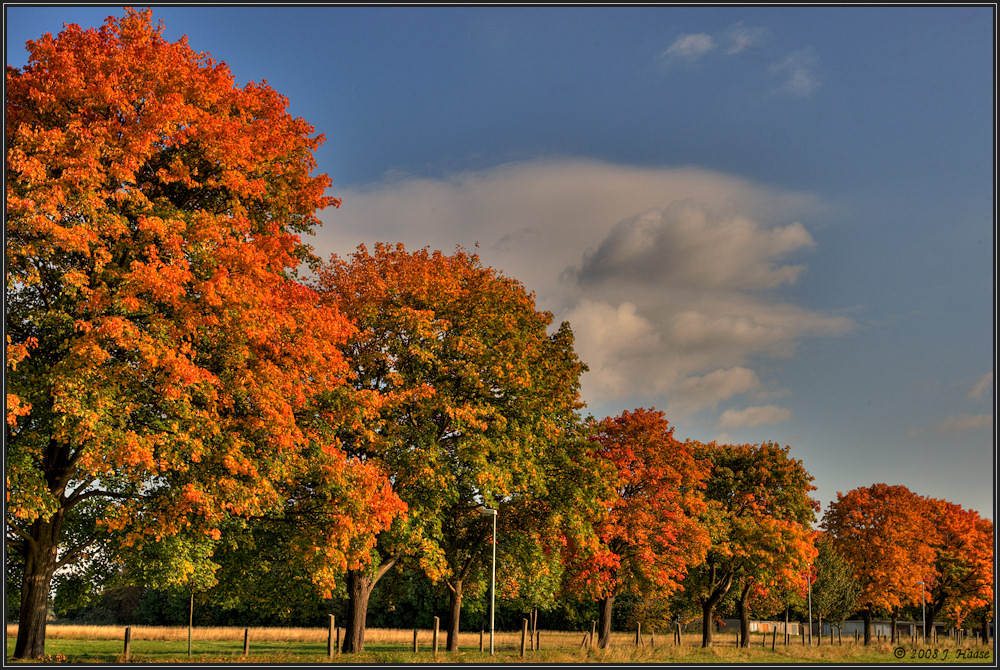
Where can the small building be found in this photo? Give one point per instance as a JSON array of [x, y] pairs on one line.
[[794, 627]]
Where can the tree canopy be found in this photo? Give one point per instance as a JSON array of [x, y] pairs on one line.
[[161, 353], [650, 534], [473, 395]]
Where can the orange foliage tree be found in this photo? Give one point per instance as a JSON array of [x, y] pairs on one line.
[[961, 581], [758, 518], [651, 532], [161, 354], [474, 397], [882, 531]]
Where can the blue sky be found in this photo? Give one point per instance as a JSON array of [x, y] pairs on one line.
[[772, 223]]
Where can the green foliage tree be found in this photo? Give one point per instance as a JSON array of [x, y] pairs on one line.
[[758, 518], [835, 591], [473, 395]]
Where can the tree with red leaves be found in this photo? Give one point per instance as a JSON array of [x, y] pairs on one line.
[[650, 534]]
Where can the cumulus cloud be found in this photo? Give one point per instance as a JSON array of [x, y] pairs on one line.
[[621, 345], [689, 244], [698, 392], [797, 74], [982, 388], [690, 47], [754, 416], [960, 423], [667, 276]]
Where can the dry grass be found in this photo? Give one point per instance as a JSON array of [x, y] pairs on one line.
[[307, 645], [400, 637]]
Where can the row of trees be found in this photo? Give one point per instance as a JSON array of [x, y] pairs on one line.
[[195, 400]]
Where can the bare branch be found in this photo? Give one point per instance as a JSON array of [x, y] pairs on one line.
[[75, 553]]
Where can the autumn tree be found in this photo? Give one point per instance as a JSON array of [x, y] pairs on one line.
[[649, 532], [758, 519], [474, 396], [161, 356], [536, 531], [882, 531], [961, 581]]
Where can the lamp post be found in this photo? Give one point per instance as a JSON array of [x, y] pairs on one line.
[[489, 511], [923, 612], [809, 583]]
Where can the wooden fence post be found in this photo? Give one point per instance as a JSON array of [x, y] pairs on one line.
[[415, 641], [437, 625], [338, 639], [128, 643], [524, 635], [538, 640], [677, 634], [638, 631], [246, 641], [774, 637], [329, 638], [482, 645]]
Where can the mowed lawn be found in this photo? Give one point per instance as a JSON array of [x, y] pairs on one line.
[[96, 644]]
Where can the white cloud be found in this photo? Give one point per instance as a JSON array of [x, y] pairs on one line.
[[698, 392], [960, 423], [666, 275], [617, 344], [982, 388], [691, 47], [796, 72], [745, 38], [754, 416], [690, 243]]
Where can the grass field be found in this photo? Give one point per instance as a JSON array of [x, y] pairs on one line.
[[97, 644]]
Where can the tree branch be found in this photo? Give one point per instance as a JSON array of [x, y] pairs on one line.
[[78, 497], [28, 540], [74, 553]]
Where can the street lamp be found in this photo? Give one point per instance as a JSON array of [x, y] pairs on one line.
[[809, 583], [489, 511], [923, 611]]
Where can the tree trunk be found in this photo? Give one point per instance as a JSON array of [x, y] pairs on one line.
[[40, 553], [707, 609], [454, 612], [743, 612], [360, 584], [866, 617], [605, 607], [359, 590], [718, 588], [933, 609], [893, 617]]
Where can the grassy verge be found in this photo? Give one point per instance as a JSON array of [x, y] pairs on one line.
[[104, 644]]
